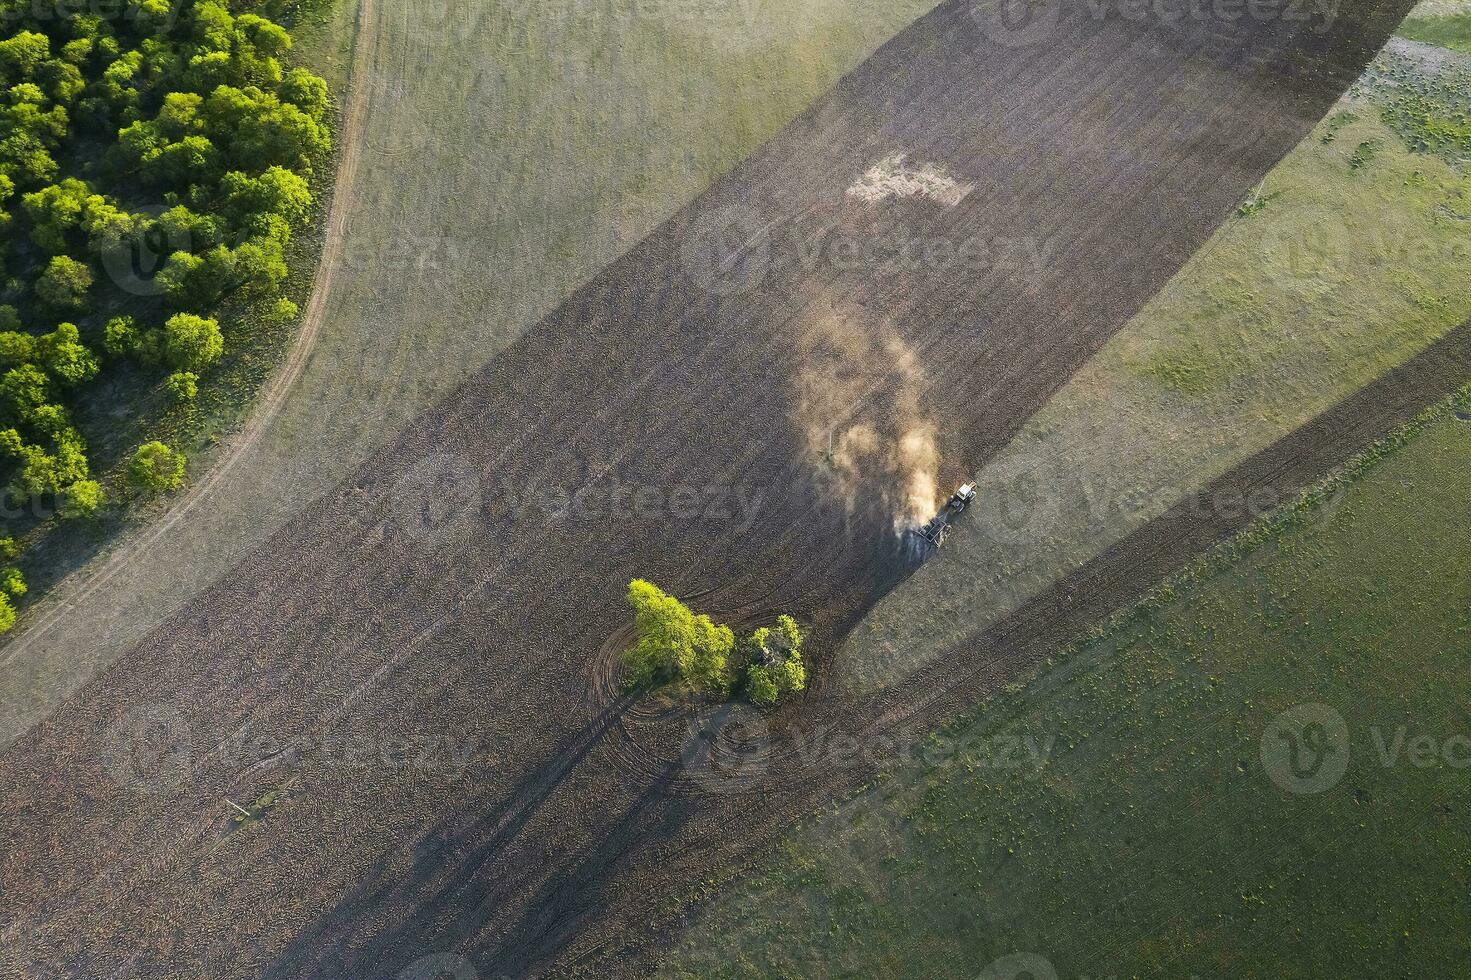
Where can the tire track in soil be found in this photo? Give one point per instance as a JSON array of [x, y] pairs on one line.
[[1121, 144]]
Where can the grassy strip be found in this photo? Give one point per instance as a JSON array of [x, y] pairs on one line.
[[1447, 31]]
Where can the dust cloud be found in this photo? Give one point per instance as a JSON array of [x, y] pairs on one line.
[[858, 386]]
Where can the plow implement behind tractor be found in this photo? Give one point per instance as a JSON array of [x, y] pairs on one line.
[[939, 526]]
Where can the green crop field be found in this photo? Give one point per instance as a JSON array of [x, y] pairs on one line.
[[1263, 770], [1443, 22]]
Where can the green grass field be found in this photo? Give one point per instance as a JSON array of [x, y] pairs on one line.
[[1443, 22], [1449, 31], [1167, 832]]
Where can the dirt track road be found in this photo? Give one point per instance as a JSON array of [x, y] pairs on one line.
[[421, 666]]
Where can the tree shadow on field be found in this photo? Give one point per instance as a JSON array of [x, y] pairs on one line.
[[553, 916], [446, 870]]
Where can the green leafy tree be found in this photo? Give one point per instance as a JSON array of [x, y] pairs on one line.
[[257, 130], [182, 386], [774, 661], [23, 389], [22, 54], [276, 191], [191, 343], [64, 357], [285, 310], [55, 211], [153, 17], [193, 159], [177, 117], [665, 631], [118, 91], [61, 79], [78, 51], [12, 582], [194, 282], [708, 666], [82, 499], [198, 282], [260, 264], [156, 468], [189, 230], [120, 336], [64, 284], [259, 46], [673, 641], [16, 348], [30, 112], [110, 228], [25, 160], [759, 685], [306, 91], [42, 470]]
